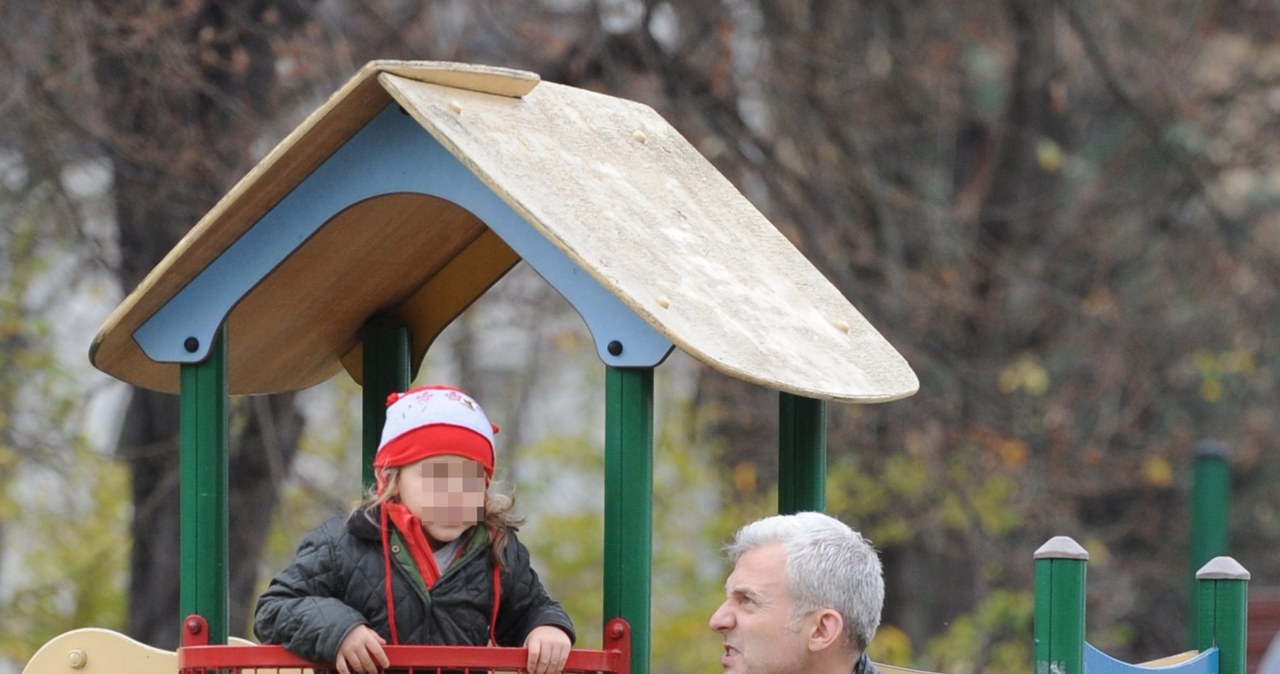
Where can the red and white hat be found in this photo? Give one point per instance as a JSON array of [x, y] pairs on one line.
[[434, 420]]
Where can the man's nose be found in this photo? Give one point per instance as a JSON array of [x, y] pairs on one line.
[[722, 619]]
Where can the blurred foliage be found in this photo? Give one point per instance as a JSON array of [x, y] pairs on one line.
[[992, 638], [63, 503], [73, 571]]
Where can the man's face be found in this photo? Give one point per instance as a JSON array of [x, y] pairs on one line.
[[446, 493], [755, 618]]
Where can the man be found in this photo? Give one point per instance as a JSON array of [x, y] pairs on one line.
[[804, 596]]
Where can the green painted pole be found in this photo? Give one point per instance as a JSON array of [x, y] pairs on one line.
[[802, 454], [1223, 613], [1059, 607], [1210, 506], [628, 504], [202, 458], [386, 370]]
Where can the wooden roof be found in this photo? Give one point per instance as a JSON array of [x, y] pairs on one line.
[[607, 181]]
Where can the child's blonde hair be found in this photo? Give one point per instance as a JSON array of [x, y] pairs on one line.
[[499, 509]]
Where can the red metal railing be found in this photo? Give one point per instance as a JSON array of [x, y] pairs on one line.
[[196, 656]]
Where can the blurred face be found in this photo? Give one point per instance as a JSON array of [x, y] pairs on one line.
[[755, 618], [446, 493]]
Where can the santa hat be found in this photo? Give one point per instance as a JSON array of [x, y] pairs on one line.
[[434, 420]]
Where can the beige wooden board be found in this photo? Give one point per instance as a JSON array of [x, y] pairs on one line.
[[894, 669], [273, 347], [93, 650], [1170, 660], [621, 192], [98, 651]]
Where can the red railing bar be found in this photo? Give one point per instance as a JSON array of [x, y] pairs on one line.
[[196, 654], [269, 657]]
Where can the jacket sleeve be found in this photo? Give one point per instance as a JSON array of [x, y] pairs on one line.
[[302, 609], [525, 604]]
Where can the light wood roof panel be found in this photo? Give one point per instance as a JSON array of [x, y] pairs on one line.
[[629, 199]]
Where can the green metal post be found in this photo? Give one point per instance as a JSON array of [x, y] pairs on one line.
[[1223, 612], [1210, 496], [202, 458], [628, 504], [802, 454], [1059, 607], [386, 370]]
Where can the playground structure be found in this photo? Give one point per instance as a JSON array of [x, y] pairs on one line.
[[1060, 646], [390, 210], [1210, 506]]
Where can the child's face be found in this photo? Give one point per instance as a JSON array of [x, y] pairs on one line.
[[446, 493]]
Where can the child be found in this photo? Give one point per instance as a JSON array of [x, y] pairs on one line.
[[430, 558]]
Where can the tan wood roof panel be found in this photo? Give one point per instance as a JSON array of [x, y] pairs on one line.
[[611, 183]]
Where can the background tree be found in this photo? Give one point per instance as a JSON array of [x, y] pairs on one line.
[[170, 96]]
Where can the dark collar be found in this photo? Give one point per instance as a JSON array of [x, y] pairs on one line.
[[364, 523]]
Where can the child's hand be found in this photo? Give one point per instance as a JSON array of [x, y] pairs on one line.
[[361, 652], [548, 649]]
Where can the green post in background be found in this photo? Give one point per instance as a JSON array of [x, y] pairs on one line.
[[1210, 506], [386, 370], [1059, 607], [202, 458], [802, 454], [628, 504], [1222, 595]]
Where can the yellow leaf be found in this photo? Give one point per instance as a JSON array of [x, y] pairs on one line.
[[1157, 472], [1211, 390], [1036, 380], [1013, 452], [1099, 553], [744, 477], [1049, 155], [1025, 373], [891, 646]]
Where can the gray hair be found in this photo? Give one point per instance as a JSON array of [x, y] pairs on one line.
[[828, 565]]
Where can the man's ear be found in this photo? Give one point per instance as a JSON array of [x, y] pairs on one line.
[[827, 630]]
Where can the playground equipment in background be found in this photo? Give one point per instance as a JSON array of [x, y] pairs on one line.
[[404, 198], [1210, 505], [1209, 538], [1060, 646]]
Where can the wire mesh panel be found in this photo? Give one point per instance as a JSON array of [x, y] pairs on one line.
[[196, 656]]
